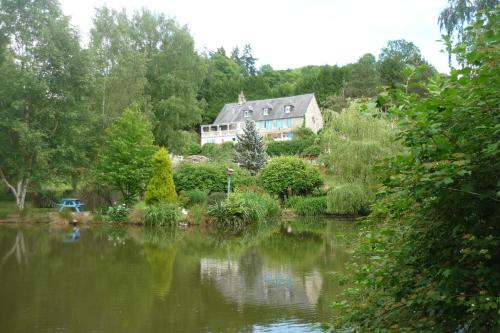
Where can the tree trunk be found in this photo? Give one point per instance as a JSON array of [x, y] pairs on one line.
[[19, 191]]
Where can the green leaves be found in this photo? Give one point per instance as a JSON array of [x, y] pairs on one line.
[[125, 160]]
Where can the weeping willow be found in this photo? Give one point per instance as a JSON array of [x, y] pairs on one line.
[[353, 142]]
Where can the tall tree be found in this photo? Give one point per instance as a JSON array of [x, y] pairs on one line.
[[43, 88], [363, 79], [120, 64], [394, 59], [251, 149], [460, 13], [125, 160]]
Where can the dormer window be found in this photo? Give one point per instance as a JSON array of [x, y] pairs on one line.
[[288, 108], [265, 111], [247, 113]]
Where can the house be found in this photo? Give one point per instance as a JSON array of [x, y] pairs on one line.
[[275, 118]]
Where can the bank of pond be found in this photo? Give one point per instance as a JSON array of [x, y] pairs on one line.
[[124, 278]]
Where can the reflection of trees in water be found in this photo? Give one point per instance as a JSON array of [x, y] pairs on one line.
[[19, 249], [161, 262]]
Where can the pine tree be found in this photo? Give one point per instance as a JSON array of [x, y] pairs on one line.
[[251, 149], [161, 187]]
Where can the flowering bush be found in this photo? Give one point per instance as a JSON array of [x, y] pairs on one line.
[[118, 213]]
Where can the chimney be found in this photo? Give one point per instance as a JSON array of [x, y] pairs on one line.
[[241, 99]]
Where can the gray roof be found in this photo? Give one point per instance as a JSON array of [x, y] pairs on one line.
[[233, 112]]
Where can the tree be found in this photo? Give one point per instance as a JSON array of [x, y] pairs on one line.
[[124, 161], [161, 187], [460, 13], [431, 261], [363, 78], [394, 59], [248, 61], [44, 88], [251, 149]]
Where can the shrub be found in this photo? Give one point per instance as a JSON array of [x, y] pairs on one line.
[[193, 197], [210, 177], [161, 187], [161, 214], [118, 213], [222, 153], [349, 198], [244, 207], [286, 176], [308, 206], [216, 197]]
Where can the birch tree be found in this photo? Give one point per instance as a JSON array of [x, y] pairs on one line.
[[43, 76]]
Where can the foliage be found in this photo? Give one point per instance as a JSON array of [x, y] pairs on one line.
[[303, 143], [349, 198], [459, 13], [244, 207], [45, 84], [221, 153], [124, 161], [161, 214], [209, 177], [216, 197], [364, 79], [193, 197], [161, 187], [394, 60], [286, 176], [354, 141], [308, 206], [430, 252], [251, 149], [150, 59], [118, 213]]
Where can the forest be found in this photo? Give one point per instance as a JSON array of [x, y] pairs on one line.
[[412, 152]]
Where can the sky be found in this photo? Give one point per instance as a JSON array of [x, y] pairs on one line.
[[292, 33]]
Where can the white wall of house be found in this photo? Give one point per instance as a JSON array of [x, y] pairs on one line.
[[313, 117]]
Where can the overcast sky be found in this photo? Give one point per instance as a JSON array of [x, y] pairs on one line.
[[293, 33]]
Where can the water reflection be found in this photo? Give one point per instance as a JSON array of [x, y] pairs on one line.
[[117, 279]]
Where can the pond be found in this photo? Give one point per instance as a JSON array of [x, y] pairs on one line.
[[278, 278]]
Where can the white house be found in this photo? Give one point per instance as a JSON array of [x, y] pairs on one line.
[[275, 118]]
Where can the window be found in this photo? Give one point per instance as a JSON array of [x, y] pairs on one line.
[[205, 129], [269, 124], [288, 108], [214, 128], [232, 127], [247, 113], [289, 123], [261, 124], [223, 127], [265, 111], [280, 123]]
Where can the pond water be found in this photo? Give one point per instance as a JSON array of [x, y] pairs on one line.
[[278, 278]]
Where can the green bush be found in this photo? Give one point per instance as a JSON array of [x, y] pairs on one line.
[[118, 213], [308, 206], [161, 187], [222, 153], [193, 197], [244, 207], [216, 197], [210, 177], [349, 198], [287, 176], [161, 214]]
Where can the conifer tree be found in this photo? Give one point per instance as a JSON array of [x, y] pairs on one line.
[[161, 187], [251, 149]]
